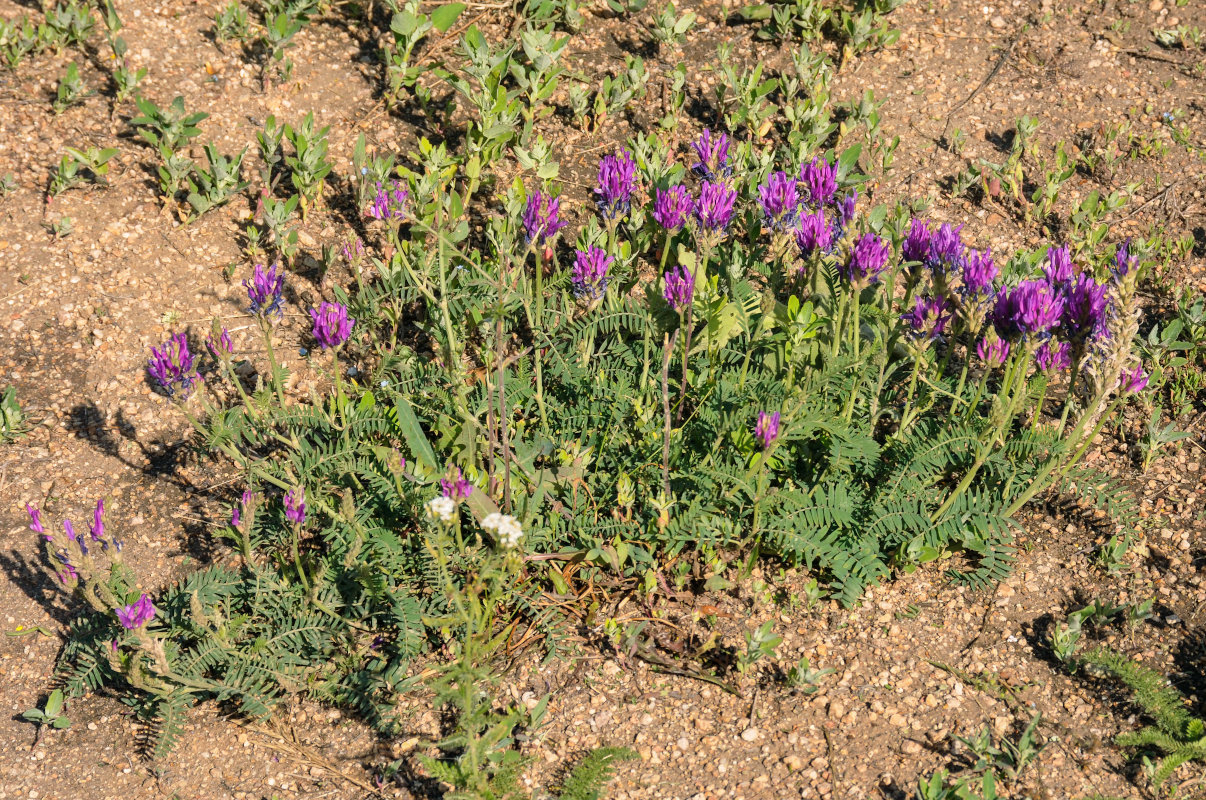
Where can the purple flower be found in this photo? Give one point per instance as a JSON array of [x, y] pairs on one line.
[[1059, 266], [1030, 308], [352, 249], [1053, 355], [1086, 309], [35, 521], [97, 529], [455, 486], [542, 217], [136, 614], [67, 574], [617, 181], [714, 210], [979, 272], [589, 275], [993, 352], [930, 316], [813, 234], [779, 200], [946, 249], [916, 245], [845, 211], [1135, 380], [767, 429], [389, 203], [67, 526], [236, 514], [819, 178], [332, 325], [295, 506], [680, 288], [672, 207], [713, 154], [171, 365], [264, 290], [867, 260], [222, 347], [1124, 262]]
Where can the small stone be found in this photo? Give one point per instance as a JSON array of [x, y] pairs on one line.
[[898, 720], [793, 762], [1156, 5], [749, 734], [910, 747], [997, 22]]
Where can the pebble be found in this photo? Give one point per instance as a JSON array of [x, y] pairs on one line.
[[749, 734]]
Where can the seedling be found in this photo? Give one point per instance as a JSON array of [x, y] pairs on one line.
[[50, 715], [170, 127], [71, 89], [12, 417], [759, 644]]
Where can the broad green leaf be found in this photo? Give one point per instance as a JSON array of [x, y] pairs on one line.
[[443, 17]]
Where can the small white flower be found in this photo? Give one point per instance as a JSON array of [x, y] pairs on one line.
[[441, 508], [505, 527]]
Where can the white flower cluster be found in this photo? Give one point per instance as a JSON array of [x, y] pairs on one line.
[[505, 528], [441, 508]]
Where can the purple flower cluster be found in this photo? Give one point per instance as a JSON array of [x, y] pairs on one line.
[[1053, 356], [332, 325], [236, 515], [930, 317], [979, 275], [714, 209], [588, 278], [264, 290], [171, 365], [712, 154], [819, 179], [941, 251], [137, 614], [992, 350], [866, 261], [455, 486], [542, 217], [616, 184], [1124, 262], [1086, 310], [1135, 380], [814, 234], [779, 201], [672, 208], [389, 203], [680, 288], [35, 521], [222, 347], [1059, 266], [1032, 308], [766, 431], [295, 506]]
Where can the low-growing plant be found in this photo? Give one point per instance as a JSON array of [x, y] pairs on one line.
[[71, 89], [1004, 758], [308, 164], [69, 23], [1176, 735], [50, 715], [208, 188], [231, 23], [12, 416], [760, 643], [1157, 436], [172, 127], [173, 172], [125, 77], [670, 27], [803, 677]]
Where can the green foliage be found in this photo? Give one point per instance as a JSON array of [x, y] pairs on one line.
[[1179, 736], [308, 164], [126, 78], [71, 89], [12, 416], [79, 165], [51, 714], [591, 775], [172, 128], [209, 188]]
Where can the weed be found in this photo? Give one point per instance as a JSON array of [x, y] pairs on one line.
[[172, 128]]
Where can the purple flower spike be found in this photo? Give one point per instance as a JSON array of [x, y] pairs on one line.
[[236, 514], [680, 288], [1124, 262], [930, 316], [389, 203], [35, 521], [617, 181], [916, 245], [542, 217], [672, 207], [264, 290], [455, 486], [1135, 380], [1031, 308], [813, 234], [171, 366], [779, 200], [993, 352], [1086, 309], [946, 249], [713, 154], [714, 210], [97, 529], [136, 614], [867, 260], [1053, 356], [589, 275], [1059, 266], [222, 347], [295, 506], [767, 429], [332, 325], [845, 211], [979, 272], [819, 178]]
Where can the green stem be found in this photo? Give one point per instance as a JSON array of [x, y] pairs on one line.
[[908, 409], [1072, 376]]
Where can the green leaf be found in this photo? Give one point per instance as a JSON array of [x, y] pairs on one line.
[[412, 432], [444, 16], [60, 723], [54, 703]]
